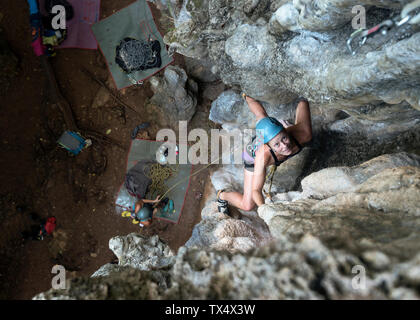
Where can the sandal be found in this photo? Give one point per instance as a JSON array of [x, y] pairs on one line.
[[222, 205], [126, 214]]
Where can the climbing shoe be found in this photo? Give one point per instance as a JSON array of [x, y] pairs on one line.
[[222, 205]]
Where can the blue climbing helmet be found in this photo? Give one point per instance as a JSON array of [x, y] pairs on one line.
[[144, 214], [269, 127]]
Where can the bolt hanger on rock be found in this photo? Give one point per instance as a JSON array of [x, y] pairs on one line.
[[409, 14]]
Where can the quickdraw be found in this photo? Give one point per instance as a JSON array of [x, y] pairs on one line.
[[409, 14]]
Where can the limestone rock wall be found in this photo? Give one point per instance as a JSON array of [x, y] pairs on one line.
[[375, 208], [311, 249], [319, 225], [283, 270], [277, 51], [174, 95]]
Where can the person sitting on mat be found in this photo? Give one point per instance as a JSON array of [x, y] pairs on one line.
[[275, 143], [144, 211]]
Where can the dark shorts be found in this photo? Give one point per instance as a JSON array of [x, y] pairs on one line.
[[248, 159], [249, 166]]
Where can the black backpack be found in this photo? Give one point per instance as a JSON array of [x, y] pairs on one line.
[[136, 182], [135, 55]]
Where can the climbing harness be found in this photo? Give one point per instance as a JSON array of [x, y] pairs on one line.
[[73, 142], [409, 14]]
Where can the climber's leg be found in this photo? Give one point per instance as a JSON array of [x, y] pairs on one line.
[[241, 201]]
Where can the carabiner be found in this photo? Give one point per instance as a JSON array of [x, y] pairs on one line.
[[354, 35], [387, 24], [383, 27], [409, 17]]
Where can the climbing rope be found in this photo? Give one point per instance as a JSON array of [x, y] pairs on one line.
[[270, 175], [134, 55], [193, 174], [159, 174], [409, 14]]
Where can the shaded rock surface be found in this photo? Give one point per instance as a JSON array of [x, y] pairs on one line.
[[174, 95], [200, 69], [277, 51], [331, 181], [222, 232], [282, 270], [360, 215], [382, 213], [138, 252], [362, 243], [9, 64]]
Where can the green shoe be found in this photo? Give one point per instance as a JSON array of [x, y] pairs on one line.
[[171, 206]]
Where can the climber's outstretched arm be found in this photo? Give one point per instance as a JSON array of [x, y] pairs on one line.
[[258, 177], [256, 108], [151, 201], [302, 130]]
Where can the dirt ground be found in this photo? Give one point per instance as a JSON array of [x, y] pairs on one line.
[[39, 176]]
